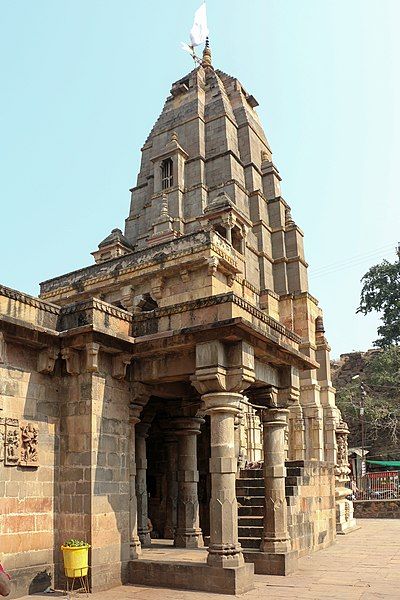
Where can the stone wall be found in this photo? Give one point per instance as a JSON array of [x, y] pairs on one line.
[[29, 494], [377, 509], [310, 493]]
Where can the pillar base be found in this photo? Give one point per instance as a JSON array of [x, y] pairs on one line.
[[192, 576], [272, 564], [169, 533], [225, 560], [135, 550], [189, 540], [145, 540]]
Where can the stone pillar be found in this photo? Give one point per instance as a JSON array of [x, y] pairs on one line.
[[135, 546], [275, 538], [275, 556], [188, 533], [171, 506], [345, 521], [141, 484], [224, 549]]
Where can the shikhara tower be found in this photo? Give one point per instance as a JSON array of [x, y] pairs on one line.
[[149, 373]]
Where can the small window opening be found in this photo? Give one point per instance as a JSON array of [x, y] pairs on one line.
[[118, 304], [237, 240], [166, 173], [147, 303], [221, 230]]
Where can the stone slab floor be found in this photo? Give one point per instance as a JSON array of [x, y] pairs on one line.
[[362, 565]]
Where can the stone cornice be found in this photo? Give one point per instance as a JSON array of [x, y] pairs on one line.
[[96, 304], [295, 295], [185, 245], [29, 300], [220, 299]]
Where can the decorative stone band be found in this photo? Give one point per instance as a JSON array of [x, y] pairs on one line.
[[96, 304], [29, 300], [220, 299]]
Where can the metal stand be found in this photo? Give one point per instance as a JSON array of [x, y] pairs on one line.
[[70, 582]]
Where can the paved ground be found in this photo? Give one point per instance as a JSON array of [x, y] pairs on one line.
[[362, 565]]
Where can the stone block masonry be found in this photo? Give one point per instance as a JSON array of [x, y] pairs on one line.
[[199, 308]]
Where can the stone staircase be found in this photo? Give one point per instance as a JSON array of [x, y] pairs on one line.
[[250, 497]]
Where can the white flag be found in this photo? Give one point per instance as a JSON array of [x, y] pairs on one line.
[[199, 31]]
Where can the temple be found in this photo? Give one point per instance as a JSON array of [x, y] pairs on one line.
[[177, 392]]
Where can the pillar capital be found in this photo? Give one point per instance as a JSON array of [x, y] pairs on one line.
[[142, 429], [274, 417], [223, 402], [222, 368], [186, 425]]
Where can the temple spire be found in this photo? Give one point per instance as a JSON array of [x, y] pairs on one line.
[[207, 54]]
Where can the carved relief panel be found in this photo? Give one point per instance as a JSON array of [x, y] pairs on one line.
[[29, 456], [18, 443], [12, 443]]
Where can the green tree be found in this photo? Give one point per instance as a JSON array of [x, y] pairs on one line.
[[381, 292], [381, 379]]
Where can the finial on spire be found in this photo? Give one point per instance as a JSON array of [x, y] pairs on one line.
[[207, 54]]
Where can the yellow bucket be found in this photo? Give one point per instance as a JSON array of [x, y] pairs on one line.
[[76, 560]]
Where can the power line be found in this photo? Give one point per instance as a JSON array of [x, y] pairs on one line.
[[347, 265], [354, 257]]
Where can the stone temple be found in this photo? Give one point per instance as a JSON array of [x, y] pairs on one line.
[[179, 388]]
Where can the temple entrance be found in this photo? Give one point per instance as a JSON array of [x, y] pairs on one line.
[[162, 478]]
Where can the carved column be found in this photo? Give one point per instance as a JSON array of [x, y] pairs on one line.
[[141, 484], [224, 549], [275, 538], [188, 533], [345, 522], [135, 546], [171, 508]]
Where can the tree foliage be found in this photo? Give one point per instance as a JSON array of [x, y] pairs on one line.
[[381, 293], [381, 379]]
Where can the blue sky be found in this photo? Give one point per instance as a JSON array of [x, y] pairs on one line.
[[83, 82]]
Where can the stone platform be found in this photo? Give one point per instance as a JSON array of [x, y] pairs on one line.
[[361, 566], [187, 569]]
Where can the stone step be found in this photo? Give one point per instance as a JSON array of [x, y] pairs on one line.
[[294, 471], [250, 481], [251, 521], [247, 542], [251, 473], [292, 481], [251, 511], [250, 532], [249, 491], [250, 500]]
